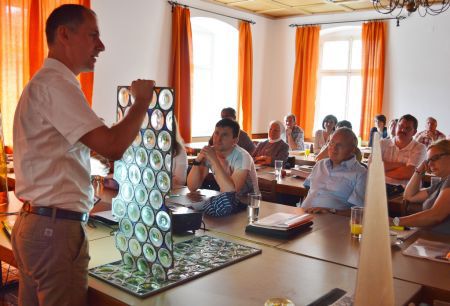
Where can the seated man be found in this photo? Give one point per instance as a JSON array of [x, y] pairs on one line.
[[244, 140], [339, 182], [402, 154], [232, 167], [294, 133], [431, 134], [274, 148]]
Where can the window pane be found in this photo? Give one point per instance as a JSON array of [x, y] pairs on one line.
[[215, 79], [331, 98], [354, 103], [335, 55], [201, 45], [356, 54]]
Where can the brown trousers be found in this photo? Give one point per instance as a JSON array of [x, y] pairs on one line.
[[52, 256]]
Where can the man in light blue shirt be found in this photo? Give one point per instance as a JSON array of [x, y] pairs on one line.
[[339, 182]]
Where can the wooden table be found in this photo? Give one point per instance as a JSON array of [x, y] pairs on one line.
[[301, 159], [334, 244], [273, 273], [286, 185]]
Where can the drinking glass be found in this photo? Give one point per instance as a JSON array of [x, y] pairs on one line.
[[356, 219], [278, 168], [253, 206], [307, 149]]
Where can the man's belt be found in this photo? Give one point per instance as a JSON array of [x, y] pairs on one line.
[[53, 211]]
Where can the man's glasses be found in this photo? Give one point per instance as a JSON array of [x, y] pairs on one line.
[[436, 157]]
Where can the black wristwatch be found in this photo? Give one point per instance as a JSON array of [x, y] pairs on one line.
[[197, 163]]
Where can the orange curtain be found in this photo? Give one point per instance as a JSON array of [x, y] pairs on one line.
[[245, 77], [373, 52], [181, 73], [14, 72], [305, 76], [40, 10]]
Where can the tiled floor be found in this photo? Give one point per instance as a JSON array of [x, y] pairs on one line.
[[9, 287]]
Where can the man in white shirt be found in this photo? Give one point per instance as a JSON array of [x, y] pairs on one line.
[[339, 182], [402, 154], [232, 167], [54, 130], [430, 134]]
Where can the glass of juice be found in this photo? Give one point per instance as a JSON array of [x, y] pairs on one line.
[[356, 219]]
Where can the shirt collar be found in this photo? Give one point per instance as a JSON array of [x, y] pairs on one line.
[[54, 64], [346, 164]]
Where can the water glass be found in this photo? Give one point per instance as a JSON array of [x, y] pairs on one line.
[[356, 221], [253, 206], [278, 168]]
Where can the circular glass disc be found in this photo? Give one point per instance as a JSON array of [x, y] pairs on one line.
[[163, 220], [156, 199], [156, 237], [165, 99], [149, 252], [149, 139], [147, 215], [141, 157], [157, 119], [134, 174], [141, 232], [163, 181], [164, 141], [133, 212], [124, 96], [156, 160], [148, 178]]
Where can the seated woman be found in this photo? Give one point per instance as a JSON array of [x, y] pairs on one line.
[[323, 136], [324, 151], [380, 127], [267, 152], [435, 199]]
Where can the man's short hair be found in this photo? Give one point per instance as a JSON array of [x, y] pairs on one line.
[[348, 133], [432, 119], [290, 116], [344, 123], [381, 118], [70, 15], [226, 122], [230, 111], [410, 118]]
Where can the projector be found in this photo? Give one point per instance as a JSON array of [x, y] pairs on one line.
[[184, 219]]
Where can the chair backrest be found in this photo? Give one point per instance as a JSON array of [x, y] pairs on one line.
[[267, 188]]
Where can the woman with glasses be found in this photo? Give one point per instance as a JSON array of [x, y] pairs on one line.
[[436, 198]]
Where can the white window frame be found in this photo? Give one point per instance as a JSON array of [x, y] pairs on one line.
[[348, 33]]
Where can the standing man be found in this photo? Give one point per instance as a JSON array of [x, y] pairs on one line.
[[402, 154], [54, 130], [294, 133], [232, 167], [244, 140], [430, 134]]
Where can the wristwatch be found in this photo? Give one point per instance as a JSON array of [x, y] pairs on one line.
[[197, 163], [332, 210], [396, 221]]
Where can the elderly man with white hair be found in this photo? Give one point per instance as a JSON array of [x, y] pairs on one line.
[[267, 152]]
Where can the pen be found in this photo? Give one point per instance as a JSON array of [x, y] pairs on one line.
[[399, 228]]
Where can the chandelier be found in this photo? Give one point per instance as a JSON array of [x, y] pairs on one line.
[[423, 7]]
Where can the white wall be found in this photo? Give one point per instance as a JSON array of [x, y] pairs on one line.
[[418, 70], [137, 38]]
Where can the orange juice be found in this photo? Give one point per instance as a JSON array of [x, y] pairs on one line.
[[307, 151], [356, 229]]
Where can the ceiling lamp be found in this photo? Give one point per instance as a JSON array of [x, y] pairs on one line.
[[423, 7]]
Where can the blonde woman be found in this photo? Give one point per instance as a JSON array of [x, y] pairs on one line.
[[436, 198]]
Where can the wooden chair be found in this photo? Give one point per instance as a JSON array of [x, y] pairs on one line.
[[268, 189]]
